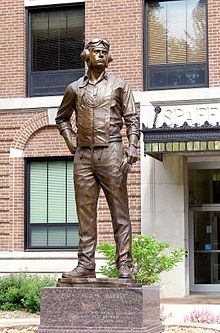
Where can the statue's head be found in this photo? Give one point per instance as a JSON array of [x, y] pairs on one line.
[[97, 45]]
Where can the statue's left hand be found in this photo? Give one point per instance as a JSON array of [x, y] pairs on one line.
[[130, 157]]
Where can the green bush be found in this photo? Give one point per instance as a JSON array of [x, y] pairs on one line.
[[22, 291], [150, 258]]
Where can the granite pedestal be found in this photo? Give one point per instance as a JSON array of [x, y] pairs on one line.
[[100, 306]]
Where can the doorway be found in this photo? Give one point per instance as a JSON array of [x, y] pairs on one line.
[[204, 218]]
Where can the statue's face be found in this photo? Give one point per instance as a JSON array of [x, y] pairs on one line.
[[98, 57]]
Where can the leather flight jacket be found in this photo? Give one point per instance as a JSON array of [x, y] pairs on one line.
[[99, 111], [93, 117]]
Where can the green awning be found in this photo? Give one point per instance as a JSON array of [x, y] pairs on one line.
[[182, 139]]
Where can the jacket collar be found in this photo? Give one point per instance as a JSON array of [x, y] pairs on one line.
[[85, 80]]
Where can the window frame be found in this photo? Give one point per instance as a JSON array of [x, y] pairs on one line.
[[29, 74], [147, 67], [27, 227], [34, 3]]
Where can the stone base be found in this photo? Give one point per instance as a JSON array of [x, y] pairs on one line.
[[148, 329], [97, 283], [95, 308]]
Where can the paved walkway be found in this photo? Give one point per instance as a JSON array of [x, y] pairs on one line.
[[195, 298], [19, 322], [174, 310]]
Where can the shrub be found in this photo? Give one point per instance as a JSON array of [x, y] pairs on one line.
[[202, 316], [22, 291], [150, 258]]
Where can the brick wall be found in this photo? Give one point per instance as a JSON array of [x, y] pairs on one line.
[[12, 48], [29, 132], [11, 180], [122, 23], [214, 42], [119, 21]]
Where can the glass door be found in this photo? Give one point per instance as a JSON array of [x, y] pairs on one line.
[[204, 230], [206, 251]]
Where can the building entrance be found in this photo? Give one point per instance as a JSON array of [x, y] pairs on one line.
[[204, 219]]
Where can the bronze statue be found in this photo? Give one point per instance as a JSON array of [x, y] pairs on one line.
[[101, 103]]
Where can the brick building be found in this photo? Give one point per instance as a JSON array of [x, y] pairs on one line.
[[37, 214], [168, 51]]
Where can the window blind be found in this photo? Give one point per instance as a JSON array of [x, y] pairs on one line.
[[57, 39], [70, 201], [38, 192], [52, 214], [57, 192], [176, 31]]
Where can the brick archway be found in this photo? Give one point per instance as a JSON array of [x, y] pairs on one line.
[[16, 185], [29, 128]]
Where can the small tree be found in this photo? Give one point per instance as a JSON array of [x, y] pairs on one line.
[[150, 258]]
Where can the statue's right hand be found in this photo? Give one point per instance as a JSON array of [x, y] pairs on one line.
[[70, 139], [72, 147]]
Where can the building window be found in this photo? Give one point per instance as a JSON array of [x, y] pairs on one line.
[[176, 44], [56, 39], [51, 213]]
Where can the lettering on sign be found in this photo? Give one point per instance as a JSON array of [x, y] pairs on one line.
[[192, 114]]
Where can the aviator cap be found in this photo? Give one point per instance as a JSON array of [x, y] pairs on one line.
[[93, 43]]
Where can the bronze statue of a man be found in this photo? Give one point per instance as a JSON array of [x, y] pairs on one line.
[[101, 103]]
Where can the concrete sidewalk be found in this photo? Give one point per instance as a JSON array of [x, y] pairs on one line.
[[19, 322], [175, 310]]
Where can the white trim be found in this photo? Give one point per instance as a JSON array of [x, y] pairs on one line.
[[30, 102], [206, 288], [38, 255], [19, 255], [178, 96], [31, 3], [145, 98], [51, 114], [14, 153], [41, 262]]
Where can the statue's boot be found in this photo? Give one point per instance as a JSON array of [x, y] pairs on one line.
[[124, 271], [79, 272]]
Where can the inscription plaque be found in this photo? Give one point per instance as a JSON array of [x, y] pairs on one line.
[[96, 310]]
